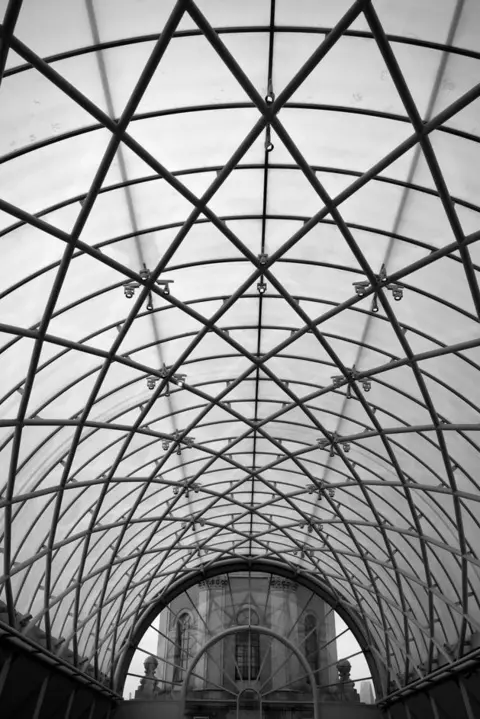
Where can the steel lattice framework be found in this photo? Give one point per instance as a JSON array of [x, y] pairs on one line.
[[207, 213]]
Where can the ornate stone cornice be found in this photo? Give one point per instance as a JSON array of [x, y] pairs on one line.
[[214, 583], [283, 584]]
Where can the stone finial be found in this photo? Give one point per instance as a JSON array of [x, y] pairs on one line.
[[148, 683], [344, 667], [346, 688], [150, 664]]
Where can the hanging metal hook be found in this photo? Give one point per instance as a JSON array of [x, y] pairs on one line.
[[268, 141], [270, 96]]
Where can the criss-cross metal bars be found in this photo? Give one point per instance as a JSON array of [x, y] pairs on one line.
[[101, 506]]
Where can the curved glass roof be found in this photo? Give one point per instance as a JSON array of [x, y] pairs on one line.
[[239, 310]]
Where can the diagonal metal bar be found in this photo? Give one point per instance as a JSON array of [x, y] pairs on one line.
[[303, 29], [6, 32], [379, 431], [287, 659], [263, 242], [399, 214], [430, 157], [87, 206], [246, 84], [175, 666], [128, 196]]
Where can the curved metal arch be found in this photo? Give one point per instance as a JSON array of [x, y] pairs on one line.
[[283, 495], [432, 298], [121, 595], [226, 106], [303, 29], [333, 36], [22, 50], [413, 429], [372, 524], [193, 388], [352, 587], [57, 233], [221, 333], [93, 252], [450, 427], [250, 564], [112, 598], [463, 357], [29, 219], [167, 483], [350, 241], [369, 413], [353, 538], [389, 445], [463, 397], [261, 630], [83, 215]]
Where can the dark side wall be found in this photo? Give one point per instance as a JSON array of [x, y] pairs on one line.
[[453, 698], [31, 689]]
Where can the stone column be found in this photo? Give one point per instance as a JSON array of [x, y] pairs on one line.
[[327, 676], [201, 635], [163, 671], [283, 612], [211, 608]]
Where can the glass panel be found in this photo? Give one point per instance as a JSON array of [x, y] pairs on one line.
[[239, 314]]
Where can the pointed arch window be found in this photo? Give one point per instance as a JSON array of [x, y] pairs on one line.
[[247, 646], [182, 646], [311, 640]]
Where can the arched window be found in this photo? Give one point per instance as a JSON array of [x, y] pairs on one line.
[[182, 646], [311, 641], [247, 646]]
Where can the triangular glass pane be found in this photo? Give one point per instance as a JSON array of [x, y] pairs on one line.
[[190, 73]]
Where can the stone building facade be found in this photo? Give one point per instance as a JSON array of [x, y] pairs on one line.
[[247, 668]]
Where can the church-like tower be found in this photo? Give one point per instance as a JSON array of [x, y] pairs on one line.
[[249, 659]]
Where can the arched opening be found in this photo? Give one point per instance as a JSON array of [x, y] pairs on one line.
[[344, 612], [239, 304], [182, 647], [243, 603], [247, 646], [249, 704]]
